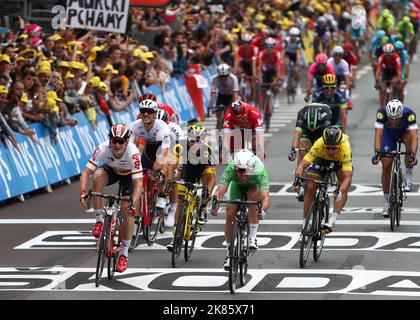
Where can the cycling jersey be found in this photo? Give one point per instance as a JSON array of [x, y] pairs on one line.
[[343, 156], [173, 116], [389, 64], [225, 87], [351, 58], [317, 73], [404, 61], [250, 119], [197, 160], [292, 47], [158, 134], [390, 134], [246, 54], [259, 177], [175, 132], [405, 28], [336, 102], [341, 69], [129, 163], [269, 60]]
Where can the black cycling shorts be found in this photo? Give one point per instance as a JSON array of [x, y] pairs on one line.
[[125, 180]]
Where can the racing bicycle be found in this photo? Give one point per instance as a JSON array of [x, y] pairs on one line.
[[187, 226], [238, 251]]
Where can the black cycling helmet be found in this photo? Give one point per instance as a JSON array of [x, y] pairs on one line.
[[315, 116], [332, 135]]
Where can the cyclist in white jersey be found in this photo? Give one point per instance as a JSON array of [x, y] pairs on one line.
[[153, 142], [342, 70], [121, 163], [177, 135]]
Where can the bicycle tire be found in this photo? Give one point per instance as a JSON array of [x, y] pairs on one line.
[[234, 252], [193, 229], [243, 264], [319, 241], [267, 119], [400, 198], [102, 250], [307, 235], [393, 200], [179, 235], [112, 263]]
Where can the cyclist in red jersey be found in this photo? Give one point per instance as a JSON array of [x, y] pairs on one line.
[[241, 115], [259, 40], [244, 61], [173, 116], [388, 72]]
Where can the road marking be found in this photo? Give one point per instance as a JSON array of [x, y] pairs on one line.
[[190, 280], [215, 240]]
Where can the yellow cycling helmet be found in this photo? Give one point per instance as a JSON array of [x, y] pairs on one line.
[[329, 80], [196, 132]]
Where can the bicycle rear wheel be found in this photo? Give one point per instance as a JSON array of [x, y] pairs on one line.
[[393, 200], [320, 237], [179, 234], [243, 262], [400, 198], [308, 234], [234, 254], [193, 230], [102, 249]]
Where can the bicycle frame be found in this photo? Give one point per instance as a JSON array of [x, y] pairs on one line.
[[152, 181]]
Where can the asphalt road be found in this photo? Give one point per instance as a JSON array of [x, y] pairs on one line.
[[48, 253]]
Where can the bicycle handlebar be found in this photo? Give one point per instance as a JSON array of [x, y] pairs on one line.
[[319, 182], [107, 196], [192, 185]]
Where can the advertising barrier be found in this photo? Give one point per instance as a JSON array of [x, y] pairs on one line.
[[41, 165]]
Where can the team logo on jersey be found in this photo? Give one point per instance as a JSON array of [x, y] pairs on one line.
[[411, 117], [379, 116]]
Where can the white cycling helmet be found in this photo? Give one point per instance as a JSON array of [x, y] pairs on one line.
[[337, 50], [346, 15], [270, 42], [223, 69], [294, 31], [149, 104], [394, 109], [162, 115], [246, 37], [244, 159]]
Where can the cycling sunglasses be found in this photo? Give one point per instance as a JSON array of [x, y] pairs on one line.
[[118, 141], [147, 111]]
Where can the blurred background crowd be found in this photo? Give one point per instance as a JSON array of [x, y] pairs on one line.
[[47, 75]]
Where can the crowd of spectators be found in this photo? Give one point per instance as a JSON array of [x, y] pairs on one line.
[[46, 78]]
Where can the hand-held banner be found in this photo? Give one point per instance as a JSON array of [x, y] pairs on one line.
[[103, 15]]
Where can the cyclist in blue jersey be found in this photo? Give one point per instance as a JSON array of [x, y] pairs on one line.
[[395, 122], [405, 67]]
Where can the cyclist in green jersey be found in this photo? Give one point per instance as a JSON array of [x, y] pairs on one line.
[[248, 179]]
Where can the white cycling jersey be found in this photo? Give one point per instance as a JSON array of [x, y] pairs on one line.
[[176, 132], [159, 133], [129, 163]]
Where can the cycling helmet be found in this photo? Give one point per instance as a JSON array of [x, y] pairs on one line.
[[244, 159], [347, 47], [197, 132], [223, 69], [147, 96], [384, 40], [329, 80], [162, 115], [322, 19], [380, 34], [394, 109], [399, 45], [270, 43], [337, 50], [148, 104], [315, 116], [388, 48], [321, 58], [393, 38], [332, 135], [246, 38], [119, 131], [237, 107], [294, 31]]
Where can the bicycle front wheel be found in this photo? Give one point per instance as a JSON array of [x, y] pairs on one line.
[[156, 217], [135, 240], [179, 234], [243, 263], [320, 237], [102, 249], [193, 229], [400, 198], [308, 234], [234, 256], [393, 200]]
